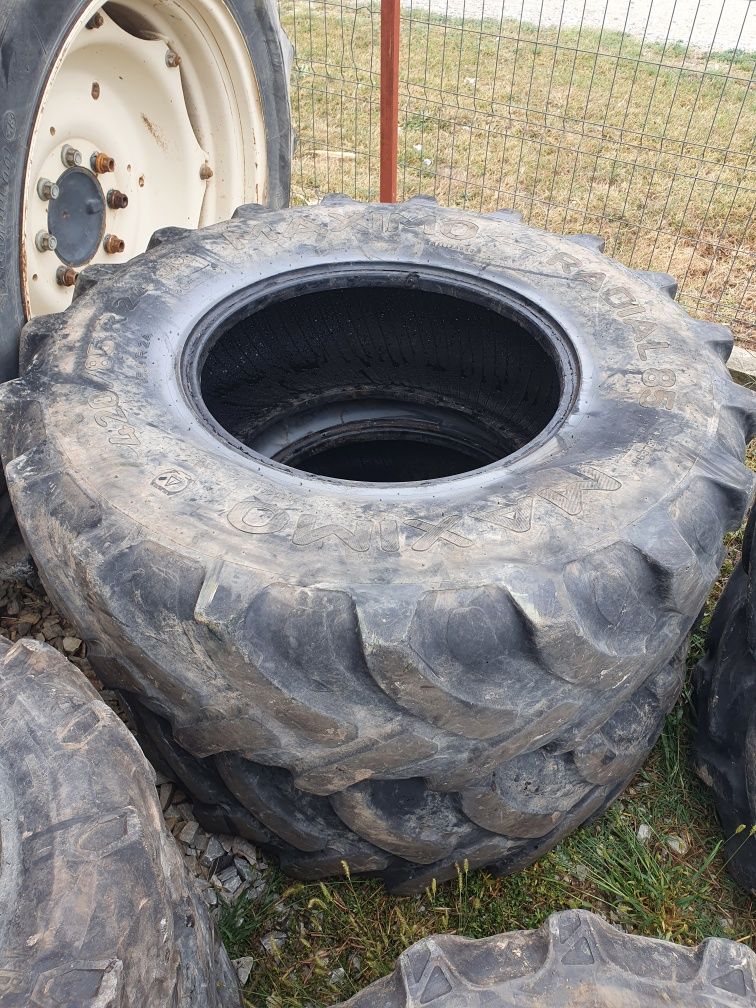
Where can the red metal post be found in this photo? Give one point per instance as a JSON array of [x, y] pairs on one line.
[[389, 98]]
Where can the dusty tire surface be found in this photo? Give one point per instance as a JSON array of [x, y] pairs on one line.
[[405, 673], [725, 683], [573, 960], [96, 908]]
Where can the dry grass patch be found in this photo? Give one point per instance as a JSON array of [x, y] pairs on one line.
[[651, 147]]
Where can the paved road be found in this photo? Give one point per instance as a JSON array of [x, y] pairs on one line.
[[717, 24]]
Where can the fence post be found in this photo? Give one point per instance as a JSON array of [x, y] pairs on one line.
[[389, 99]]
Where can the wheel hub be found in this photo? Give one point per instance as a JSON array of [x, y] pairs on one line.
[[114, 156], [76, 219]]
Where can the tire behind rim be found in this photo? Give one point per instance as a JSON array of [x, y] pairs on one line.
[[462, 661]]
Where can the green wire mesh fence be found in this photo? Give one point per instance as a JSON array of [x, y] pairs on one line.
[[632, 119]]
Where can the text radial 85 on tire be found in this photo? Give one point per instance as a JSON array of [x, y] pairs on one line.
[[389, 522]]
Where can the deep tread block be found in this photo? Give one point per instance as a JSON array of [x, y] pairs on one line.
[[90, 277], [167, 236], [401, 680], [572, 952], [725, 693], [97, 906], [590, 241], [662, 281]]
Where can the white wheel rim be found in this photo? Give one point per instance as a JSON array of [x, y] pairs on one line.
[[164, 126]]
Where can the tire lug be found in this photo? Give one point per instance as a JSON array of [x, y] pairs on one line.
[[172, 59], [102, 163], [117, 200], [113, 245], [45, 242], [70, 157], [66, 276], [96, 21], [47, 190], [206, 172]]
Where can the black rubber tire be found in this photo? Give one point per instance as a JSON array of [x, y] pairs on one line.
[[96, 907], [574, 960], [725, 683], [489, 670]]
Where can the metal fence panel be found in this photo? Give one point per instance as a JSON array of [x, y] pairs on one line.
[[632, 119]]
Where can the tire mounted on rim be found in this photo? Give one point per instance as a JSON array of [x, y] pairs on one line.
[[117, 119], [390, 522]]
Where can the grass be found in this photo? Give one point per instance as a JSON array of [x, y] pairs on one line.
[[344, 934], [649, 146]]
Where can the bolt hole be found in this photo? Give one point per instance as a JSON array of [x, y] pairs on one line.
[[52, 131], [35, 277], [95, 90], [141, 181]]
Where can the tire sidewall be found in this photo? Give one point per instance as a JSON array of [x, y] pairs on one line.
[[609, 465]]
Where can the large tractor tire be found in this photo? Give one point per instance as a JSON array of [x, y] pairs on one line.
[[390, 523], [725, 681], [120, 118], [574, 960], [96, 908]]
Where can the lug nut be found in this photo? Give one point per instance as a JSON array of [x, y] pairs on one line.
[[172, 59], [46, 242], [206, 172], [66, 276], [97, 21], [47, 190], [102, 163], [117, 200], [113, 245], [70, 157]]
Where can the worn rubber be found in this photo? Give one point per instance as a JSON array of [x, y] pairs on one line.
[[725, 683], [406, 677], [574, 960], [96, 907]]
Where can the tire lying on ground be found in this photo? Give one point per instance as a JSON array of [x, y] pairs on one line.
[[725, 681], [573, 960], [96, 908], [389, 522], [120, 118]]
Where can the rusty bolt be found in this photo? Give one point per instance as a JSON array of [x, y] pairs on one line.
[[46, 242], [117, 200], [172, 59], [113, 245], [66, 276], [102, 163], [206, 172], [47, 190], [97, 21], [70, 157]]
